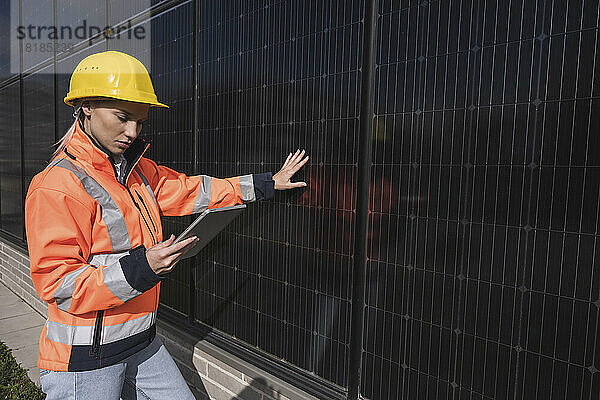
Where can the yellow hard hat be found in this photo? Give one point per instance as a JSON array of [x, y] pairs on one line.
[[112, 74]]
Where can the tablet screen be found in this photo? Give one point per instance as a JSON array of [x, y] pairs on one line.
[[207, 225]]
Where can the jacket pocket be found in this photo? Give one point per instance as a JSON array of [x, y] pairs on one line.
[[97, 334]]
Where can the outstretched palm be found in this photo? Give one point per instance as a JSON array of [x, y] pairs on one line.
[[292, 164]]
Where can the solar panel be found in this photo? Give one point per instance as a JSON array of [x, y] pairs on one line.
[[11, 192], [38, 121], [275, 77], [480, 275]]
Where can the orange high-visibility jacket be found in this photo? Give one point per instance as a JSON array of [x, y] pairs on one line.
[[87, 236]]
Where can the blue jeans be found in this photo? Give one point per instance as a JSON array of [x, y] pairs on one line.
[[150, 373]]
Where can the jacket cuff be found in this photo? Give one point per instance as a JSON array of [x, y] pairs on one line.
[[264, 186], [137, 271]]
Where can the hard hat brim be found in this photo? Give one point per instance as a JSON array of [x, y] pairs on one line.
[[153, 103]]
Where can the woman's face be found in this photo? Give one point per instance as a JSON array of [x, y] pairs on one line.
[[114, 123]]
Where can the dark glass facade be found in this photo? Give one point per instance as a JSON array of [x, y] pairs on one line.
[[481, 268]]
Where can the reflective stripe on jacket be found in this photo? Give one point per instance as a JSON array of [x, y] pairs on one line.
[[87, 236]]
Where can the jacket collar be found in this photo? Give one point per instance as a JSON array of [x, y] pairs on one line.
[[85, 148]]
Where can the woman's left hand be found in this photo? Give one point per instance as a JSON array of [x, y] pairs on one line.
[[292, 164]]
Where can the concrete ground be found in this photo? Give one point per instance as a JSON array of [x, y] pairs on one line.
[[20, 328]]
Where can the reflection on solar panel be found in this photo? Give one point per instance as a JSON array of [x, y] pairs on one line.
[[481, 270]]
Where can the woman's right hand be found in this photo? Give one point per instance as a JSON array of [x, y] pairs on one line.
[[163, 256]]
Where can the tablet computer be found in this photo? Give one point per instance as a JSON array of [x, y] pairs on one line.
[[207, 225]]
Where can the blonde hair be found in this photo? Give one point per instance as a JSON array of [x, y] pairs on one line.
[[62, 143]]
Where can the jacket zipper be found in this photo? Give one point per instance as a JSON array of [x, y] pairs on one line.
[[148, 212], [142, 214], [97, 333], [130, 168]]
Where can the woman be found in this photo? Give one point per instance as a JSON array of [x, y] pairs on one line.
[[95, 238]]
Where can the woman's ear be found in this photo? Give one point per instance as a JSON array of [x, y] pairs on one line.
[[86, 107]]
